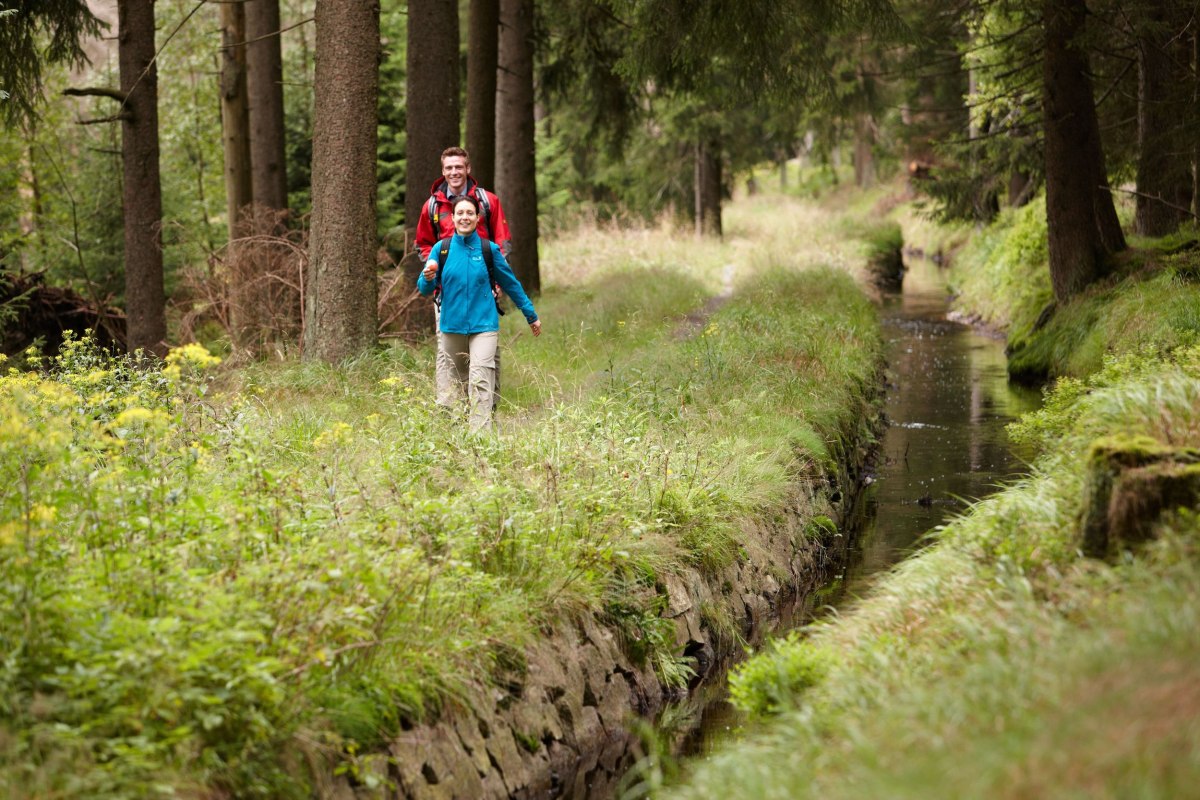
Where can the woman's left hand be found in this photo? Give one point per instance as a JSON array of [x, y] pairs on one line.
[[536, 327]]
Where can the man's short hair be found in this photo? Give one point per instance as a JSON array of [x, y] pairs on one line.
[[455, 151]]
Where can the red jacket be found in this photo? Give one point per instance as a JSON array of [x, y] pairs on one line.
[[492, 224]]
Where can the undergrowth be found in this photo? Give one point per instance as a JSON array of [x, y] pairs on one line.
[[211, 584]]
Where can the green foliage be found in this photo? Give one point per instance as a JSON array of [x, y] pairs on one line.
[[391, 168], [1000, 645], [1148, 311], [1001, 275], [1079, 410], [35, 35], [191, 157], [196, 578], [778, 675], [1003, 106]]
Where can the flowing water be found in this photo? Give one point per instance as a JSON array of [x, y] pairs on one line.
[[948, 401]]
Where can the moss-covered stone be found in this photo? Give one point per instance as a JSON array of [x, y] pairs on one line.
[[1131, 481]]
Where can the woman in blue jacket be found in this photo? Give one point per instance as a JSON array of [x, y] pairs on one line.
[[469, 325]]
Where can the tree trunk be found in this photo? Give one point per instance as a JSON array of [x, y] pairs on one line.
[[432, 121], [264, 88], [235, 115], [481, 89], [1072, 152], [864, 151], [516, 163], [340, 296], [145, 300], [1195, 118], [1163, 177], [708, 186]]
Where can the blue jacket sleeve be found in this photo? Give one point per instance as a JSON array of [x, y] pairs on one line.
[[423, 286], [509, 283]]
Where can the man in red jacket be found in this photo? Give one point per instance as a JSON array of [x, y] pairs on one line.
[[437, 222]]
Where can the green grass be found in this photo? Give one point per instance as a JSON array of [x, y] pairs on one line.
[[1001, 275], [999, 662], [209, 583], [1001, 278], [1155, 308]]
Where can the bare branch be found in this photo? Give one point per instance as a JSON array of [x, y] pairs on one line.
[[1155, 198], [268, 35], [97, 91], [124, 115]]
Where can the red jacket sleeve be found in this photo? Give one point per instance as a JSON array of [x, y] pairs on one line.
[[498, 225], [426, 236]]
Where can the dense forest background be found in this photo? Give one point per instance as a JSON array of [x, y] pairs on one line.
[[575, 110]]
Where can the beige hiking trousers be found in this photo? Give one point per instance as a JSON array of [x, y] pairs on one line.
[[444, 380], [469, 364]]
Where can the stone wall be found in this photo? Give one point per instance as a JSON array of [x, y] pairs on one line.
[[559, 727]]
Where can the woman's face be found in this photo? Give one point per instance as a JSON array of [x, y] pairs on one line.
[[465, 218]]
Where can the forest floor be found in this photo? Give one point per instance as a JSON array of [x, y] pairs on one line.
[[216, 578], [1047, 642]]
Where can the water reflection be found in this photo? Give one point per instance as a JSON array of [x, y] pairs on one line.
[[948, 402]]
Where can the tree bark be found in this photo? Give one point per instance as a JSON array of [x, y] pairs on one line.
[[482, 54], [864, 151], [1163, 177], [264, 88], [516, 155], [145, 299], [341, 291], [432, 119], [1195, 118], [235, 116], [1073, 156], [708, 186]]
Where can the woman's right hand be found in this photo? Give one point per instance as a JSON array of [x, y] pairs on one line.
[[536, 327], [430, 270]]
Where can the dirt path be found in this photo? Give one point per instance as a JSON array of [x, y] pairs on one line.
[[696, 320]]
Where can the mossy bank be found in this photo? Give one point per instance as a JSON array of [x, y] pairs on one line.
[[1045, 643]]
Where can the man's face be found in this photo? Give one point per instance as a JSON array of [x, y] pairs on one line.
[[455, 170]]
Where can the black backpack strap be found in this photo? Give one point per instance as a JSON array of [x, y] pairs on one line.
[[443, 250], [489, 262], [433, 212]]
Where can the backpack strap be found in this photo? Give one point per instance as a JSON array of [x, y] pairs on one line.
[[432, 208], [443, 251], [489, 262]]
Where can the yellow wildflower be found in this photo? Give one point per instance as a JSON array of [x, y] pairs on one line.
[[194, 354], [42, 514], [137, 417], [336, 435]]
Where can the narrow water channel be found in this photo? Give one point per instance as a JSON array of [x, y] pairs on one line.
[[948, 402]]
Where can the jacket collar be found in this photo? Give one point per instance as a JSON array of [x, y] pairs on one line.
[[440, 188]]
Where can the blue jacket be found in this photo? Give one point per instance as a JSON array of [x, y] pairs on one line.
[[467, 303]]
